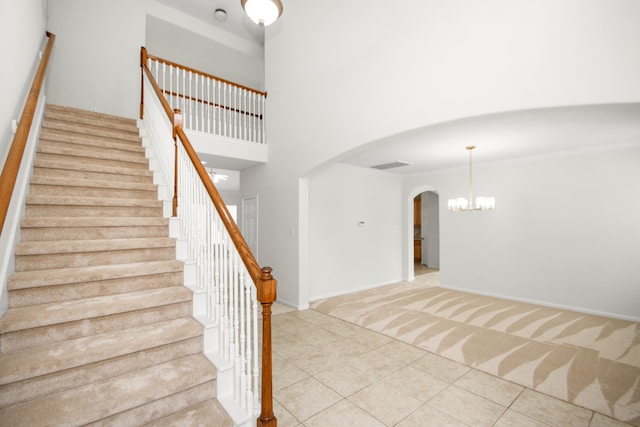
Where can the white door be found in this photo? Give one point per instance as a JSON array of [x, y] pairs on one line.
[[250, 223]]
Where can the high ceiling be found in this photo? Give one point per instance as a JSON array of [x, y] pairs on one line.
[[504, 136], [236, 23], [497, 137]]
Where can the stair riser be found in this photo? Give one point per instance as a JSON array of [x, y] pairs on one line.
[[85, 259], [104, 149], [72, 291], [79, 174], [161, 408], [87, 167], [60, 190], [69, 378], [73, 115], [126, 136], [18, 340], [93, 211], [88, 233], [93, 161], [82, 140]]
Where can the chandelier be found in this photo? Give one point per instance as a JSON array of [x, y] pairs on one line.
[[262, 12], [463, 204]]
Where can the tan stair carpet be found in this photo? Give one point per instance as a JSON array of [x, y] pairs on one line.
[[99, 329], [591, 361]]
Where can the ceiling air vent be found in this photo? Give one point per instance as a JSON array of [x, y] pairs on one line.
[[390, 165]]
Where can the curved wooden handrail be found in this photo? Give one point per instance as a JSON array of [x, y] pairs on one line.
[[266, 285], [16, 151], [202, 73], [238, 240]]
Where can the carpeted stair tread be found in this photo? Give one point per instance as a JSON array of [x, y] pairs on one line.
[[206, 414], [76, 140], [90, 201], [87, 117], [89, 129], [89, 154], [76, 222], [96, 401], [66, 228], [42, 166], [69, 246], [97, 183], [46, 359], [93, 183], [33, 388], [63, 276], [35, 316]]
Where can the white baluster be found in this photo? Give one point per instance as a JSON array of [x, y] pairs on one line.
[[235, 111], [256, 368]]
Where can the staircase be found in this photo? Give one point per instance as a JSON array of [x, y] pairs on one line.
[[100, 328]]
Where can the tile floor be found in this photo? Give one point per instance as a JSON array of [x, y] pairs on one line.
[[331, 373]]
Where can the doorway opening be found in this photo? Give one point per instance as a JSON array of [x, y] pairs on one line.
[[426, 233]]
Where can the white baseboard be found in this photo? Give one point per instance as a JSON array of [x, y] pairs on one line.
[[543, 303], [350, 291]]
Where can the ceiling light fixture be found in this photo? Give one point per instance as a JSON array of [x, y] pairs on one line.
[[216, 177], [462, 204], [220, 14], [262, 12]]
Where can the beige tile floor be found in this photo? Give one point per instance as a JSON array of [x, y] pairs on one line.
[[331, 373]]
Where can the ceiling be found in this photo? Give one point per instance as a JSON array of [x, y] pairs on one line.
[[237, 22], [497, 136], [503, 136]]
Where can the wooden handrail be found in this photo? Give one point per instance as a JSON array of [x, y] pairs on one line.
[[214, 104], [16, 151], [266, 285], [202, 73]]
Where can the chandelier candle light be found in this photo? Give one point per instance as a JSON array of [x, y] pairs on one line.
[[462, 204]]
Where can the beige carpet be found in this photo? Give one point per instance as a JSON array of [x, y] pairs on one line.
[[591, 361]]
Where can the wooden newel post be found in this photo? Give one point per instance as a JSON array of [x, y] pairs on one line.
[[266, 294], [143, 61], [177, 121]]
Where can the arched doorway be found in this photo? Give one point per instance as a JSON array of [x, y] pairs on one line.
[[425, 231]]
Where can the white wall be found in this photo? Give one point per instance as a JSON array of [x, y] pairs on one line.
[[97, 64], [22, 31], [565, 231], [341, 74], [97, 58], [170, 41], [344, 254]]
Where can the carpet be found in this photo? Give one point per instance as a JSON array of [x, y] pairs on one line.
[[590, 361]]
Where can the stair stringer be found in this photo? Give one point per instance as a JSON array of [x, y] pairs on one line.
[[10, 236], [225, 381]]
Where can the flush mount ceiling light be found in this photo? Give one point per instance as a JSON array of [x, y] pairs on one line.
[[220, 14], [262, 12], [462, 204]]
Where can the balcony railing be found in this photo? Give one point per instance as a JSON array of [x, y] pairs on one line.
[[208, 103]]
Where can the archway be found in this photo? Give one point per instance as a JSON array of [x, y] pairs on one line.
[[423, 231]]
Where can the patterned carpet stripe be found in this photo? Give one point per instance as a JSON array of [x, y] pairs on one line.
[[587, 360]]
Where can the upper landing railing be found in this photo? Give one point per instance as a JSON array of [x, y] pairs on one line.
[[208, 103]]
